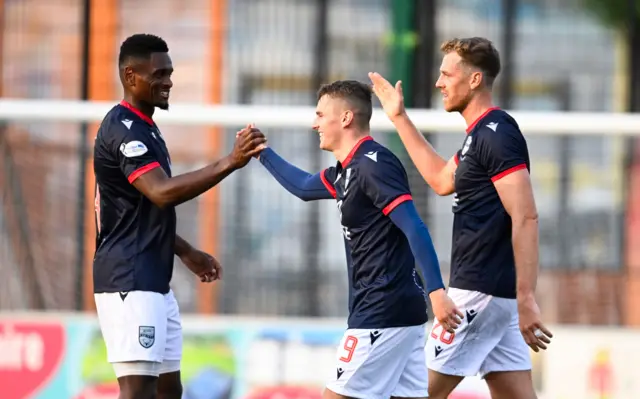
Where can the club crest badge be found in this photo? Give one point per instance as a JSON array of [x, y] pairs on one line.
[[146, 336]]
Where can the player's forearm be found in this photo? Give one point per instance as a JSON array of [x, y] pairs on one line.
[[302, 184], [182, 188], [181, 246], [525, 250], [428, 162], [406, 217]]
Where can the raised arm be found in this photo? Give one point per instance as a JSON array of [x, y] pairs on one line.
[[436, 171], [146, 175], [302, 184]]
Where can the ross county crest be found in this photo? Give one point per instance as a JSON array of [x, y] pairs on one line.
[[146, 336]]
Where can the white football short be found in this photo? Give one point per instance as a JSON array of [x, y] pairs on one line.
[[488, 340], [379, 363], [142, 331]]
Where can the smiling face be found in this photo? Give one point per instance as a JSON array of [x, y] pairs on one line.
[[331, 119], [149, 80]]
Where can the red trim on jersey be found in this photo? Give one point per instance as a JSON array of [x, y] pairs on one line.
[[354, 149], [141, 171], [471, 126], [403, 198], [455, 158], [137, 112], [328, 185], [508, 172]]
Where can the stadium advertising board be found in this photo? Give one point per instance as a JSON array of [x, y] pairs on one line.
[[46, 357]]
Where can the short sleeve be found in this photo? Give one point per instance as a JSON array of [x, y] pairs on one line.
[[328, 176], [129, 145], [503, 151], [384, 180]]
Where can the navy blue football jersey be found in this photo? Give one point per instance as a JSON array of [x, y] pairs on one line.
[[135, 239], [384, 287], [482, 252]]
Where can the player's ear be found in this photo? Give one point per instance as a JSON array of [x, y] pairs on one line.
[[129, 76], [475, 79], [347, 118]]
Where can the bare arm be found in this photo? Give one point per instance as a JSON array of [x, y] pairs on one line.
[[435, 170], [516, 194], [164, 191], [181, 247]]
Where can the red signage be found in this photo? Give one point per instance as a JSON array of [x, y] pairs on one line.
[[30, 355]]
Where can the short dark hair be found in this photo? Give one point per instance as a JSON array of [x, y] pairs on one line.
[[141, 45], [477, 52], [357, 94]]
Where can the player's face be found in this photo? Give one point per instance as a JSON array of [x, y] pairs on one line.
[[153, 80], [330, 122], [455, 82]]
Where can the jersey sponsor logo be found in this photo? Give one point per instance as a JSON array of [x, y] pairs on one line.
[[146, 336], [133, 148]]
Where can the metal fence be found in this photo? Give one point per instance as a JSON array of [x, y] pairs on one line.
[[282, 256]]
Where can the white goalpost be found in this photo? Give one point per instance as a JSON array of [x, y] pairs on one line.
[[538, 123]]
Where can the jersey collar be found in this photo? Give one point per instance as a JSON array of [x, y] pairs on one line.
[[354, 149], [471, 126], [137, 112]]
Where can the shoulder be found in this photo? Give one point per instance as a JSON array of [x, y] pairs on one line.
[[499, 128], [374, 153], [121, 132], [376, 159], [120, 127], [119, 123]]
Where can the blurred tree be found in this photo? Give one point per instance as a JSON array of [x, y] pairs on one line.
[[613, 13]]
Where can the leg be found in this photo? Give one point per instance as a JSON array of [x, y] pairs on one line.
[[370, 362], [412, 383], [134, 327], [329, 394], [451, 357], [441, 385], [137, 379], [169, 384], [511, 385], [507, 369]]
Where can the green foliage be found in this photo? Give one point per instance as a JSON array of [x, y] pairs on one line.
[[612, 13]]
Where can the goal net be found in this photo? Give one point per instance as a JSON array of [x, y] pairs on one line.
[[281, 255]]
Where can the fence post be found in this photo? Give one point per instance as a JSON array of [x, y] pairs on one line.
[[423, 72], [82, 159], [509, 15], [320, 72]]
